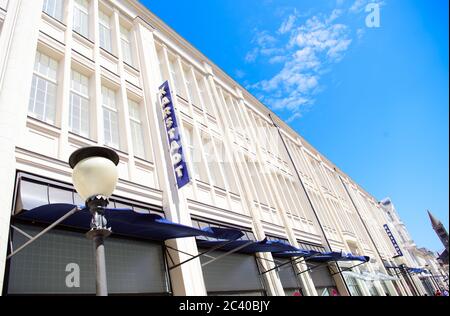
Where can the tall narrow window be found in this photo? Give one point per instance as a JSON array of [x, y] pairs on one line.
[[79, 104], [110, 118], [188, 134], [42, 104], [105, 31], [198, 167], [204, 95], [54, 8], [137, 133], [212, 162], [125, 41], [177, 80], [81, 17]]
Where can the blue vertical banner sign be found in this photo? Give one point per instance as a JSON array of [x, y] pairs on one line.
[[393, 241], [178, 161]]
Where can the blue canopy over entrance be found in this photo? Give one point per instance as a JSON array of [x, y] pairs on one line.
[[126, 222]]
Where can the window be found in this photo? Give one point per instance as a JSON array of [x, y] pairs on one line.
[[54, 8], [197, 166], [79, 104], [188, 133], [136, 129], [105, 32], [177, 79], [81, 17], [225, 164], [205, 96], [192, 90], [42, 103], [110, 118], [125, 41], [134, 267], [212, 162]]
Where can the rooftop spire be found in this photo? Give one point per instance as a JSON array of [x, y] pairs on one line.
[[434, 221]]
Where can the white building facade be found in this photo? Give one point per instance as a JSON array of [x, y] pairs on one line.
[[79, 73], [434, 276]]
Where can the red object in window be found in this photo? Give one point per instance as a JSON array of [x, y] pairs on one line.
[[297, 293]]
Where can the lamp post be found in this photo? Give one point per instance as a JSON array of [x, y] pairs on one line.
[[95, 177]]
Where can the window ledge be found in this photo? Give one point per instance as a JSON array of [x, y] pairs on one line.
[[54, 21]]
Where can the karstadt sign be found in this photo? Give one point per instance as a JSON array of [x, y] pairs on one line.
[[173, 136]]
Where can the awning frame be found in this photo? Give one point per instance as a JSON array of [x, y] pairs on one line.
[[193, 257], [43, 232], [322, 264], [350, 268], [292, 261]]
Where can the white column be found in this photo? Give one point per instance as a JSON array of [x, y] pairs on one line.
[[188, 278], [272, 281], [64, 106], [124, 117], [305, 278], [18, 42], [97, 95]]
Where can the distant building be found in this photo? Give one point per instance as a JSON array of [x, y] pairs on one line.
[[442, 233], [413, 258]]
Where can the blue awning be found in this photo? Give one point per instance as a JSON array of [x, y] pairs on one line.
[[416, 270], [126, 222], [338, 256], [298, 253], [252, 247]]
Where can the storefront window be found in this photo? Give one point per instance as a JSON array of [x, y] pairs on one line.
[[353, 286], [62, 262]]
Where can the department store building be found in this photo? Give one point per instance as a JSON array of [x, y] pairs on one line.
[[80, 73]]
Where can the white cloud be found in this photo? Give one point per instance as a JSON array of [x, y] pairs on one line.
[[264, 45], [251, 55], [304, 57], [357, 6], [287, 24], [277, 59], [304, 49], [239, 73], [360, 33]]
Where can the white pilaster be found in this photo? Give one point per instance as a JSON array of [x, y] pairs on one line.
[[188, 278], [17, 58]]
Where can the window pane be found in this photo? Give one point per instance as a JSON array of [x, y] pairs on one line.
[[126, 45], [53, 8], [79, 115], [81, 17], [42, 103], [138, 139], [136, 129], [105, 32], [79, 104], [110, 119], [126, 50]]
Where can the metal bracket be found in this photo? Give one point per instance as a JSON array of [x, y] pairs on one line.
[[348, 269], [203, 253], [47, 229]]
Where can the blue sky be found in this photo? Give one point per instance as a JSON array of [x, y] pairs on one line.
[[372, 100]]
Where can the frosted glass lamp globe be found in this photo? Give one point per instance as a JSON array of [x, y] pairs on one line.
[[94, 171]]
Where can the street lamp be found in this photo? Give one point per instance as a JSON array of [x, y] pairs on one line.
[[95, 178]]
